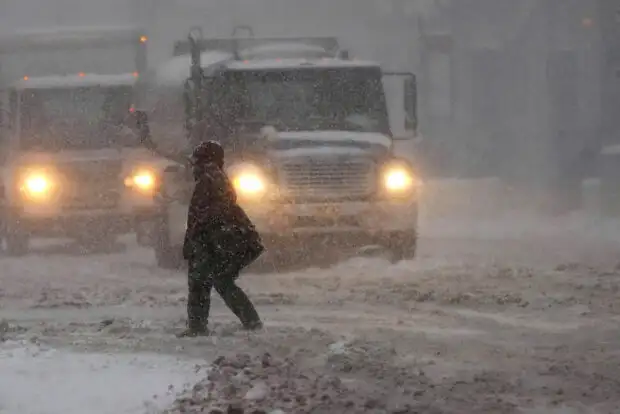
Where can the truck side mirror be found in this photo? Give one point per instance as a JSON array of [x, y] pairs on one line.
[[401, 97], [411, 103]]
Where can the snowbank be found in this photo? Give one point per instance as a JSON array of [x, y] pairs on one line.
[[266, 384]]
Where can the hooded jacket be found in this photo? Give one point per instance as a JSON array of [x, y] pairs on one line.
[[217, 226]]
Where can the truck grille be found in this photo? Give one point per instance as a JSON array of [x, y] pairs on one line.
[[91, 185], [328, 178], [97, 197]]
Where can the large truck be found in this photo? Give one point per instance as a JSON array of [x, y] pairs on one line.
[[71, 166], [310, 148]]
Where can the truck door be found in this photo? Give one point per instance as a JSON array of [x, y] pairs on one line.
[[401, 98]]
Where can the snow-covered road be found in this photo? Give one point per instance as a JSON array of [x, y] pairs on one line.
[[516, 314], [35, 379]]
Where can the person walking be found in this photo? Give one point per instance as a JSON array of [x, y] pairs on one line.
[[220, 241]]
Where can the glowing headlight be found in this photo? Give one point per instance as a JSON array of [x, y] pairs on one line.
[[37, 185], [248, 181], [249, 184], [142, 180], [398, 179]]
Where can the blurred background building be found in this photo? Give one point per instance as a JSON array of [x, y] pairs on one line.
[[609, 12]]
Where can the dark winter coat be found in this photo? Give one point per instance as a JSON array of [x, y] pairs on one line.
[[217, 227]]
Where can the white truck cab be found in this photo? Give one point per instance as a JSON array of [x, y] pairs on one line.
[[310, 149]]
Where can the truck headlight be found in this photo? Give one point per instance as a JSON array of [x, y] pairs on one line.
[[399, 179], [249, 180], [142, 180], [37, 185]]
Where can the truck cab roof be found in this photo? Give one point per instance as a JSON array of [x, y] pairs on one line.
[[176, 71], [75, 81]]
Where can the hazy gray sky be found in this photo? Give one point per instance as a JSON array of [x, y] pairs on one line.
[[33, 13], [368, 27]]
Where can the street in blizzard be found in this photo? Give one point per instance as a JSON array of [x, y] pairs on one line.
[[493, 315]]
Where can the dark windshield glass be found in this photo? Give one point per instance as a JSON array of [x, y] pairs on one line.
[[92, 117], [313, 99]]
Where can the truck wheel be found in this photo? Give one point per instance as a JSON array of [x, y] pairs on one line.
[[166, 255], [17, 241], [401, 246]]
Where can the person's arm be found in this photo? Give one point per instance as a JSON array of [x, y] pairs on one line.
[[200, 205], [178, 158], [144, 135]]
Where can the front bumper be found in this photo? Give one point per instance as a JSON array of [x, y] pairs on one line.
[[332, 218], [81, 222], [74, 225]]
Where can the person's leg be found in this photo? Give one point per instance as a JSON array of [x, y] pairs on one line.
[[198, 299], [237, 301]]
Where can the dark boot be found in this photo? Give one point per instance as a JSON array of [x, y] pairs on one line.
[[196, 323], [253, 326], [193, 332]]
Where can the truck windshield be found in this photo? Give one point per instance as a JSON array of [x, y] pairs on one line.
[[74, 118], [310, 99]]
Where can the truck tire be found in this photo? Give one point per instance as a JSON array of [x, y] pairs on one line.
[[401, 246], [167, 256], [17, 240]]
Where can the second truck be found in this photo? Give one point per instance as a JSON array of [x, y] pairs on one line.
[[71, 166]]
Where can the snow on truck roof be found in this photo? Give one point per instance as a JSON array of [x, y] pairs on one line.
[[75, 81], [289, 55], [59, 36], [283, 49], [62, 30], [176, 71]]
